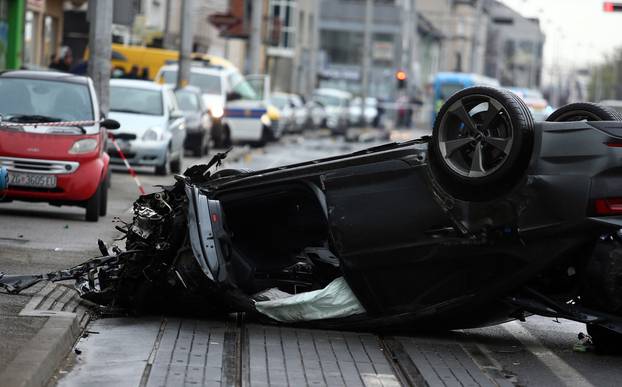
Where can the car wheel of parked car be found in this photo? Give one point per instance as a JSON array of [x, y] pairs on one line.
[[222, 137], [93, 205], [199, 149], [265, 137], [177, 163], [162, 169], [584, 111], [481, 143], [103, 203]]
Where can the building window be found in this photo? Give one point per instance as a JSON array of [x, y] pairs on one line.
[[281, 25], [342, 47], [50, 35], [30, 36]]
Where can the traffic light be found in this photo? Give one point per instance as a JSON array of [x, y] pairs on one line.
[[401, 77], [609, 6]]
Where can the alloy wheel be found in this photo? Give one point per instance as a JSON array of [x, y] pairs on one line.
[[475, 136]]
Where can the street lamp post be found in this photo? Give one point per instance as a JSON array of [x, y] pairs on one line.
[[100, 47], [185, 45]]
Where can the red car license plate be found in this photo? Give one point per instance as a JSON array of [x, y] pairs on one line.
[[31, 180]]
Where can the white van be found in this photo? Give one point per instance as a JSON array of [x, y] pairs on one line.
[[238, 111]]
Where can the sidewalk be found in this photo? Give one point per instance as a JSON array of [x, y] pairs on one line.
[[161, 351]]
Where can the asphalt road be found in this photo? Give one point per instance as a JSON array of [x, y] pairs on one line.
[[37, 237]]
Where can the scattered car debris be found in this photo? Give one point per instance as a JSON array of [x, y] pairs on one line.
[[493, 218], [584, 343], [336, 300]]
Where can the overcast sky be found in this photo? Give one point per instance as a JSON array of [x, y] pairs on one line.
[[578, 32]]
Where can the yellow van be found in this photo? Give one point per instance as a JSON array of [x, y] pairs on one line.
[[145, 62]]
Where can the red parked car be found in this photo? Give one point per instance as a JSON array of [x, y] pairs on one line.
[[62, 165]]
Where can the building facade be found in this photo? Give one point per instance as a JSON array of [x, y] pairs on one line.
[[291, 40], [514, 48], [43, 31], [401, 39], [464, 25]]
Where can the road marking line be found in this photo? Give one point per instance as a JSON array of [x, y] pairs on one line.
[[568, 375]]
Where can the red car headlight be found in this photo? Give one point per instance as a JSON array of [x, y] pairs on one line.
[[85, 145]]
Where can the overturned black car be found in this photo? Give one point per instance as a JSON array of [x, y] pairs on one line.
[[493, 218]]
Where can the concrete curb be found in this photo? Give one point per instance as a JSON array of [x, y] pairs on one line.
[[44, 353]]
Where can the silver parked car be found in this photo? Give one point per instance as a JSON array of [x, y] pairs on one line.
[[282, 102], [336, 105], [198, 120], [154, 128]]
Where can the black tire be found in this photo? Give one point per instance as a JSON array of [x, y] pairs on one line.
[[93, 206], [217, 135], [202, 146], [265, 137], [103, 203], [205, 148], [163, 169], [177, 164], [477, 163], [226, 142], [221, 137], [587, 111]]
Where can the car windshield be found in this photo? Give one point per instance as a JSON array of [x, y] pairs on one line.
[[241, 86], [187, 101], [327, 100], [208, 83], [36, 100], [280, 101], [135, 100]]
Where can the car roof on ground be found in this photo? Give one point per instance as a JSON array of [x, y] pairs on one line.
[[45, 75], [137, 84]]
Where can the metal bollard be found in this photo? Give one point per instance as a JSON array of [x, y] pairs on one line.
[[4, 178]]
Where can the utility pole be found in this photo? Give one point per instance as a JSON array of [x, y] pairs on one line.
[[369, 7], [166, 42], [255, 36], [185, 43], [475, 44], [413, 42], [100, 47]]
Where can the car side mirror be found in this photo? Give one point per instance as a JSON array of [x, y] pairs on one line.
[[233, 95], [176, 114], [110, 124]]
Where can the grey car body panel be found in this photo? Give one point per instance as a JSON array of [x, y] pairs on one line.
[[203, 235]]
